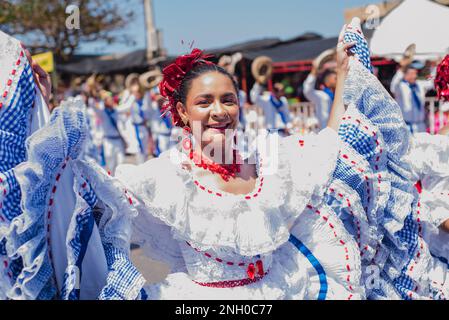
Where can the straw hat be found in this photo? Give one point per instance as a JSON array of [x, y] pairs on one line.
[[326, 60], [262, 69], [131, 79], [151, 78], [410, 52], [229, 62]]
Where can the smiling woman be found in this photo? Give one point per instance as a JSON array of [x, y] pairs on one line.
[[211, 105], [209, 108]]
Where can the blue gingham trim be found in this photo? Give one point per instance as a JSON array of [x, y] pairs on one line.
[[11, 202], [10, 209], [124, 281], [361, 48], [409, 238], [62, 137], [357, 138], [78, 247], [409, 234], [78, 244], [14, 122]]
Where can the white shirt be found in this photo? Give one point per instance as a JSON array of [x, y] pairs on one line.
[[403, 95], [139, 115], [273, 120], [158, 125], [109, 130], [321, 100]]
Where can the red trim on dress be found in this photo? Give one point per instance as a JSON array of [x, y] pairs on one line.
[[343, 243], [251, 270], [231, 283], [13, 73]]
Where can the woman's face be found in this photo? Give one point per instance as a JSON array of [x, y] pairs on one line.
[[211, 108]]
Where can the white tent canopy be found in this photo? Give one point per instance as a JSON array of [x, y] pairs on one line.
[[422, 22]]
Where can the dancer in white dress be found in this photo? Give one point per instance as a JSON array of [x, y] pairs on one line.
[[303, 222]]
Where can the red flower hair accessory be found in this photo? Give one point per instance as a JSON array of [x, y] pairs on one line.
[[442, 79], [174, 74]]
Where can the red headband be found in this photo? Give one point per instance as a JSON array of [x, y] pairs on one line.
[[174, 74], [442, 79]]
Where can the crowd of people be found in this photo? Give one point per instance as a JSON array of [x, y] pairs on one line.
[[128, 124]]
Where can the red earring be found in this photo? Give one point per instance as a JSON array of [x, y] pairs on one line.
[[187, 141]]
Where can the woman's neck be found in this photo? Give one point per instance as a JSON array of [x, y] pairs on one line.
[[217, 153]]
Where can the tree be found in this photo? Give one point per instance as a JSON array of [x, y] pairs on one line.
[[45, 25]]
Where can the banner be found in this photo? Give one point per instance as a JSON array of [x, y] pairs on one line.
[[45, 60]]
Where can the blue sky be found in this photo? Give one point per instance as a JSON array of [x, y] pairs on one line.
[[216, 23]]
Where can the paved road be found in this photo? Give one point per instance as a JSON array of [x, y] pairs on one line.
[[153, 271]]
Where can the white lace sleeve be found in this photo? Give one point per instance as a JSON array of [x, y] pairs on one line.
[[148, 231]]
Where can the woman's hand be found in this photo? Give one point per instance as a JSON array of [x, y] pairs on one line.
[[445, 226], [41, 77], [343, 54]]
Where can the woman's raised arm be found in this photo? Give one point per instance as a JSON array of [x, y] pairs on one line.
[[343, 56]]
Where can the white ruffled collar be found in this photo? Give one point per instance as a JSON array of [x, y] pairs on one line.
[[249, 226]]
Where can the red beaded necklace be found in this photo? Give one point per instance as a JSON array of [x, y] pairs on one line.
[[226, 171]]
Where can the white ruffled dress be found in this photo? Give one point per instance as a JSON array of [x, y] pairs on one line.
[[210, 237]]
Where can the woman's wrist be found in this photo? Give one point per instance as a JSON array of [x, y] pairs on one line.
[[341, 75]]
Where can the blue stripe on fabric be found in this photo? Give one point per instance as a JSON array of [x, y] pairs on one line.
[[139, 140], [350, 177], [315, 263], [442, 259]]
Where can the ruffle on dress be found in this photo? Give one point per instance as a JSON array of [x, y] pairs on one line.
[[187, 206], [287, 279], [297, 175], [375, 179], [16, 102], [113, 213], [26, 233], [429, 159], [51, 151]]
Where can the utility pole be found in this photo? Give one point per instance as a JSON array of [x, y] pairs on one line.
[[152, 40]]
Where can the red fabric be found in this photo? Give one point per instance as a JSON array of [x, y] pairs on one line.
[[174, 75], [437, 124], [231, 283], [442, 79], [418, 186]]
